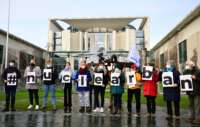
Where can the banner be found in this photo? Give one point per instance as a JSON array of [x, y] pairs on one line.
[[168, 80], [131, 78], [31, 78], [66, 77], [47, 75], [147, 73], [12, 79], [82, 81], [115, 80], [134, 56], [186, 82], [98, 79]]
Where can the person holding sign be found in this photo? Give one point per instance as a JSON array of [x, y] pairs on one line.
[[171, 89], [32, 74], [117, 87], [134, 88], [150, 88], [83, 77], [49, 80], [11, 75], [193, 96], [65, 77], [100, 81]]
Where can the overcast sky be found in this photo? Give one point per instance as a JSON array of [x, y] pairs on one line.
[[29, 18]]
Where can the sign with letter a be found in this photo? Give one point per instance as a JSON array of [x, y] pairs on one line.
[[147, 73], [66, 77], [31, 78], [131, 78], [115, 81], [82, 81], [47, 75], [186, 82], [168, 80], [98, 79], [12, 79]]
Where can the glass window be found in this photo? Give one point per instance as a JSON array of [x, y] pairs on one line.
[[1, 54], [183, 52]]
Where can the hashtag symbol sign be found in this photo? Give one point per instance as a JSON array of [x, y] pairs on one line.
[[11, 79]]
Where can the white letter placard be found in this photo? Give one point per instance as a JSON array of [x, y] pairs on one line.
[[147, 73], [131, 78], [115, 80], [47, 75], [168, 80], [66, 77], [186, 82], [82, 81], [98, 79], [31, 78], [12, 79]]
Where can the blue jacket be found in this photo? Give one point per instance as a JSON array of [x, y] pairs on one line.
[[89, 78], [173, 93]]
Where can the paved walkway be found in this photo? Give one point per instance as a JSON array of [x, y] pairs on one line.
[[76, 119]]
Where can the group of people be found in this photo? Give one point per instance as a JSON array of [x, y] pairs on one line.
[[87, 90]]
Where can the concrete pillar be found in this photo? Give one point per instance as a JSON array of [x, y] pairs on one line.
[[106, 41], [127, 40], [50, 40], [86, 41], [66, 44], [113, 40], [81, 41]]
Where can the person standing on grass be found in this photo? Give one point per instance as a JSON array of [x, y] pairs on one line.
[[65, 77], [10, 76], [150, 92], [172, 94], [193, 96], [135, 90], [118, 90], [99, 90], [49, 83], [32, 75], [83, 79]]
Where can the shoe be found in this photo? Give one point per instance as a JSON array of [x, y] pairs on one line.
[[190, 119], [96, 110], [66, 110], [44, 109], [69, 110], [101, 110], [82, 110], [54, 108], [169, 117], [129, 113], [30, 107], [13, 109], [5, 110], [196, 121], [136, 115], [177, 117], [37, 107], [88, 110]]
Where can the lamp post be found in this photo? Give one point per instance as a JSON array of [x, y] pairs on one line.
[[7, 37]]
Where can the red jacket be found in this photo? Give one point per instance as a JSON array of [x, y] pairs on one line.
[[150, 86]]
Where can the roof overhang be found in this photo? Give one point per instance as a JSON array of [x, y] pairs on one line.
[[115, 23], [187, 20]]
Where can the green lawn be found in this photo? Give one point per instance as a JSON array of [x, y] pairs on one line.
[[22, 99]]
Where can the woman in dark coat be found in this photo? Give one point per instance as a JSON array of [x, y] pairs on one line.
[[172, 94]]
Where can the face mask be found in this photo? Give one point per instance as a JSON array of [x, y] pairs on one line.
[[82, 67], [32, 64], [11, 64], [49, 65], [168, 66], [187, 67], [101, 67], [117, 70], [109, 68]]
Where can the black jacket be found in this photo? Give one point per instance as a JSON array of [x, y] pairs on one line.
[[53, 77], [11, 70]]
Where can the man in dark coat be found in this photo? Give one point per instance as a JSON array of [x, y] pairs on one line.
[[10, 77], [172, 94], [193, 96]]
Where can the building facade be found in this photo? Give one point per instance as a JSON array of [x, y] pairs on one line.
[[87, 37], [180, 44], [21, 51]]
